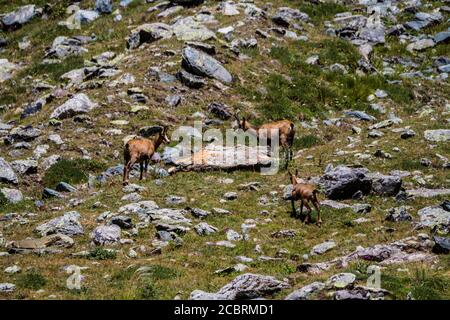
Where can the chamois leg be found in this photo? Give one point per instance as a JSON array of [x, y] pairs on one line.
[[317, 206], [293, 213], [141, 168], [301, 210], [146, 166], [308, 216], [126, 171]]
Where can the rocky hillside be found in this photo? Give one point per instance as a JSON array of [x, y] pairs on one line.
[[365, 83]]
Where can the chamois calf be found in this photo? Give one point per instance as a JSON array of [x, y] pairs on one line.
[[285, 128], [305, 193], [141, 150]]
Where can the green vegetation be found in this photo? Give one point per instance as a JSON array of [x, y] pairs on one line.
[[32, 280], [99, 253], [306, 141], [3, 200], [148, 290], [319, 12], [71, 171], [56, 70]]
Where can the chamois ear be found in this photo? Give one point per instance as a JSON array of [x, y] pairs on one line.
[[290, 174]]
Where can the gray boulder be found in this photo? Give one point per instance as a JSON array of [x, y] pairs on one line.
[[286, 16], [433, 216], [204, 229], [250, 286], [104, 6], [68, 224], [398, 214], [385, 185], [189, 29], [190, 80], [440, 135], [341, 280], [7, 69], [7, 287], [343, 182], [12, 195], [79, 104], [19, 17], [106, 235], [202, 64], [305, 292], [323, 247], [25, 166], [148, 32], [423, 20], [7, 174]]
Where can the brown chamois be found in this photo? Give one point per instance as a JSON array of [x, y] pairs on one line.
[[285, 128], [305, 193], [141, 150]]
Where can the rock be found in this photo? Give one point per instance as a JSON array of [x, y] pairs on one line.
[[220, 110], [204, 229], [12, 195], [199, 213], [187, 2], [286, 16], [48, 193], [64, 47], [233, 235], [306, 292], [228, 8], [360, 115], [411, 249], [398, 214], [39, 246], [442, 37], [202, 64], [65, 187], [230, 195], [427, 193], [173, 100], [79, 104], [361, 293], [189, 29], [68, 225], [423, 20], [202, 295], [251, 286], [148, 32], [123, 222], [323, 247], [342, 182], [420, 45], [174, 200], [19, 17], [341, 280], [190, 80], [106, 235], [407, 134], [441, 245], [7, 69], [7, 287], [223, 158], [104, 6], [433, 216], [13, 269], [25, 167], [441, 135], [284, 234], [385, 185], [7, 174]]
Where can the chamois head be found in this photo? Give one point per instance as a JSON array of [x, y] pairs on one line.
[[242, 124], [293, 177], [163, 135]]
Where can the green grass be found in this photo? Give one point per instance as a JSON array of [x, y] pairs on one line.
[[3, 200], [148, 290], [321, 11], [71, 171], [32, 280], [99, 253], [306, 141], [56, 70], [158, 272]]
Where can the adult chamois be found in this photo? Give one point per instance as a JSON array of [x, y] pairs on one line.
[[285, 129], [141, 150], [305, 193]]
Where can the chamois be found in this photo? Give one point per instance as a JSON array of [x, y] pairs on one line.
[[305, 193], [286, 132], [141, 150]]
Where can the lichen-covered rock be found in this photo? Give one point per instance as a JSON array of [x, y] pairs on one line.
[[343, 182], [19, 17], [440, 135], [79, 104], [67, 224], [148, 32], [202, 64], [306, 292], [7, 174], [106, 235]]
